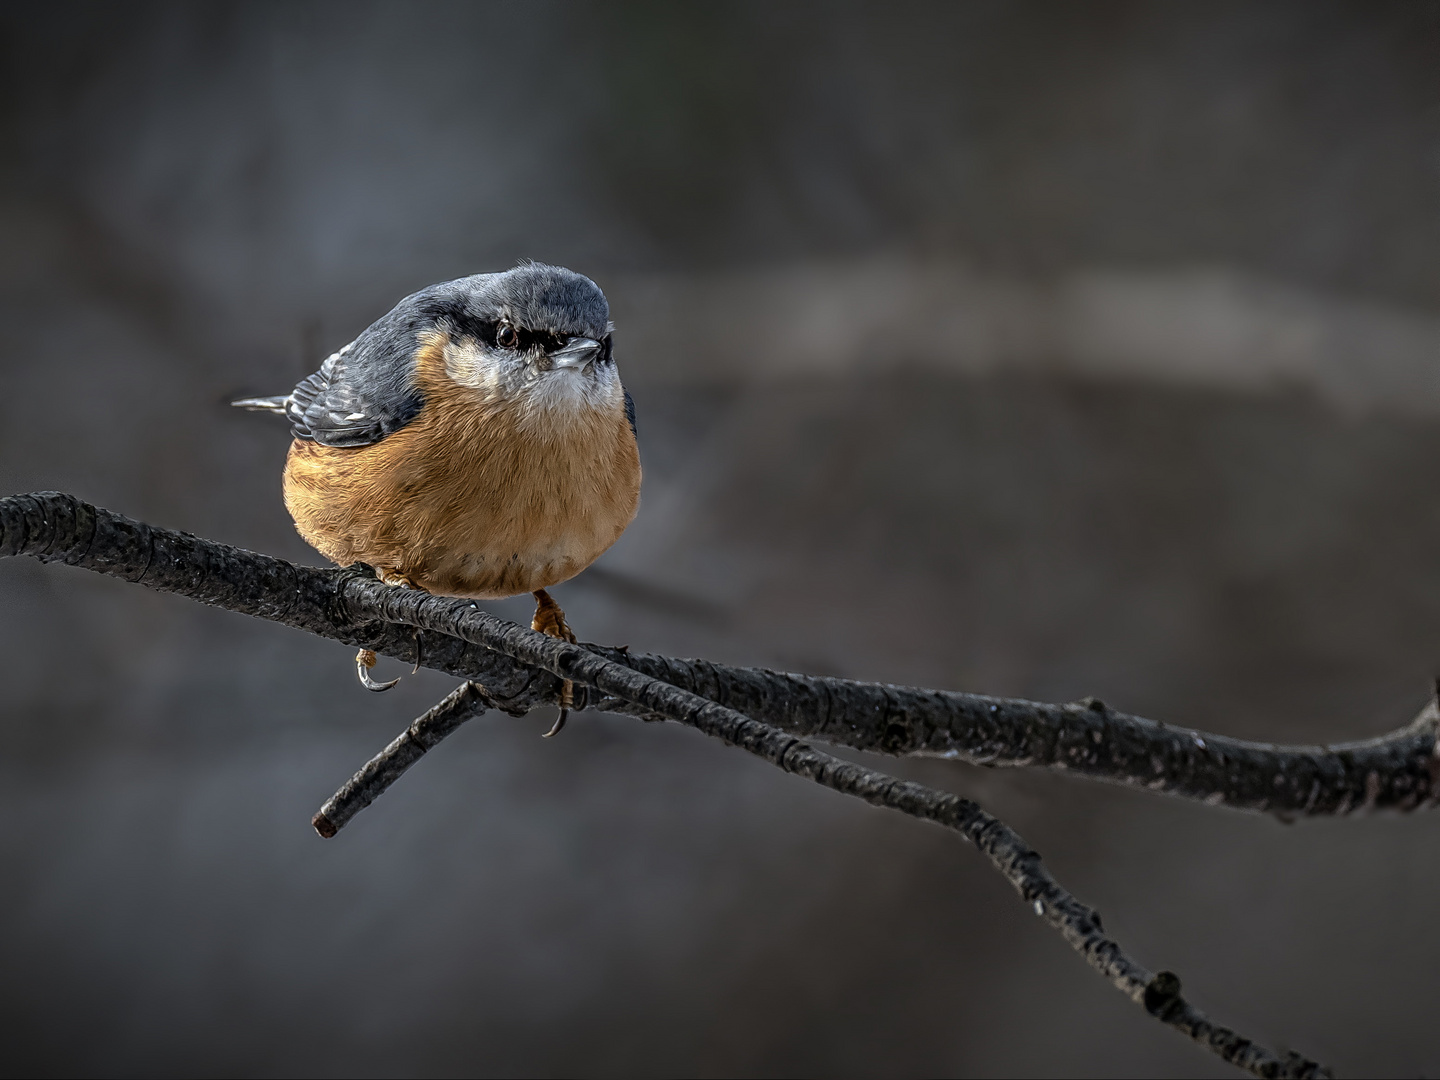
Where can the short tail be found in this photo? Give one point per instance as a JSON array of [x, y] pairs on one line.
[[263, 404]]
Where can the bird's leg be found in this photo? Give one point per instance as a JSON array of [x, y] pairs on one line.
[[549, 619], [365, 658]]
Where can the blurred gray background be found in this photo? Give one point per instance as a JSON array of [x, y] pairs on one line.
[[1032, 349]]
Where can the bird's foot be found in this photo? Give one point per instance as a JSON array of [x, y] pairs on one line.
[[394, 577], [365, 658], [549, 619], [364, 661]]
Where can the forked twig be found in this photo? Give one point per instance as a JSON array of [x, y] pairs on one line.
[[1158, 993], [520, 668], [1399, 770]]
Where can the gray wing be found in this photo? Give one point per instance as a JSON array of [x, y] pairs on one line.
[[361, 393]]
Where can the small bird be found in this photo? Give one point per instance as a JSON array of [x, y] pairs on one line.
[[476, 441]]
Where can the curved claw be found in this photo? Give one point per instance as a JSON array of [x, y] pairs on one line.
[[418, 652], [364, 661], [567, 702], [559, 723]]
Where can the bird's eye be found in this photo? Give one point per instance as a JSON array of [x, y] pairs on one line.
[[506, 336]]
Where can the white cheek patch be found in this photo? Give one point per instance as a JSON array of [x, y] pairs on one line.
[[542, 398], [469, 364]]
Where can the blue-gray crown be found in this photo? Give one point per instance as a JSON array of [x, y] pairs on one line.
[[532, 296]]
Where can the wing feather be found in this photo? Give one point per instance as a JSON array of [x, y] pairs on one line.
[[363, 392]]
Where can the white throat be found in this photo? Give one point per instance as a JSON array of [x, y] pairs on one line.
[[543, 397]]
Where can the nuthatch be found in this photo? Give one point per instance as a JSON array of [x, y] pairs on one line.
[[476, 441]]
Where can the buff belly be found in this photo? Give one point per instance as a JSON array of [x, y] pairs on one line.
[[470, 499]]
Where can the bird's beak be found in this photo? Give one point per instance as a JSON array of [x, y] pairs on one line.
[[578, 353]]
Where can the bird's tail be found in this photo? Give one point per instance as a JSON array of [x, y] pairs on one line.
[[263, 404]]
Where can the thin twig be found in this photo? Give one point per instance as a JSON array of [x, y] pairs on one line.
[[1396, 771], [465, 702], [1159, 994]]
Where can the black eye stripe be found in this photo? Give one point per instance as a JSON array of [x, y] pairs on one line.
[[539, 339], [488, 330]]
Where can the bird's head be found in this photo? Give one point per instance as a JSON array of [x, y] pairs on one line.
[[537, 336]]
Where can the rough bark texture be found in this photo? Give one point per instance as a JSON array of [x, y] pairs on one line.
[[1398, 771], [353, 607], [463, 703]]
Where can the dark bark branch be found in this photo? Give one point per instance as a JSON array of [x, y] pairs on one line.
[[1079, 924], [465, 702], [1395, 771], [354, 607]]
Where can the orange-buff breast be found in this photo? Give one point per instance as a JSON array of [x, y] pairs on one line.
[[470, 498]]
